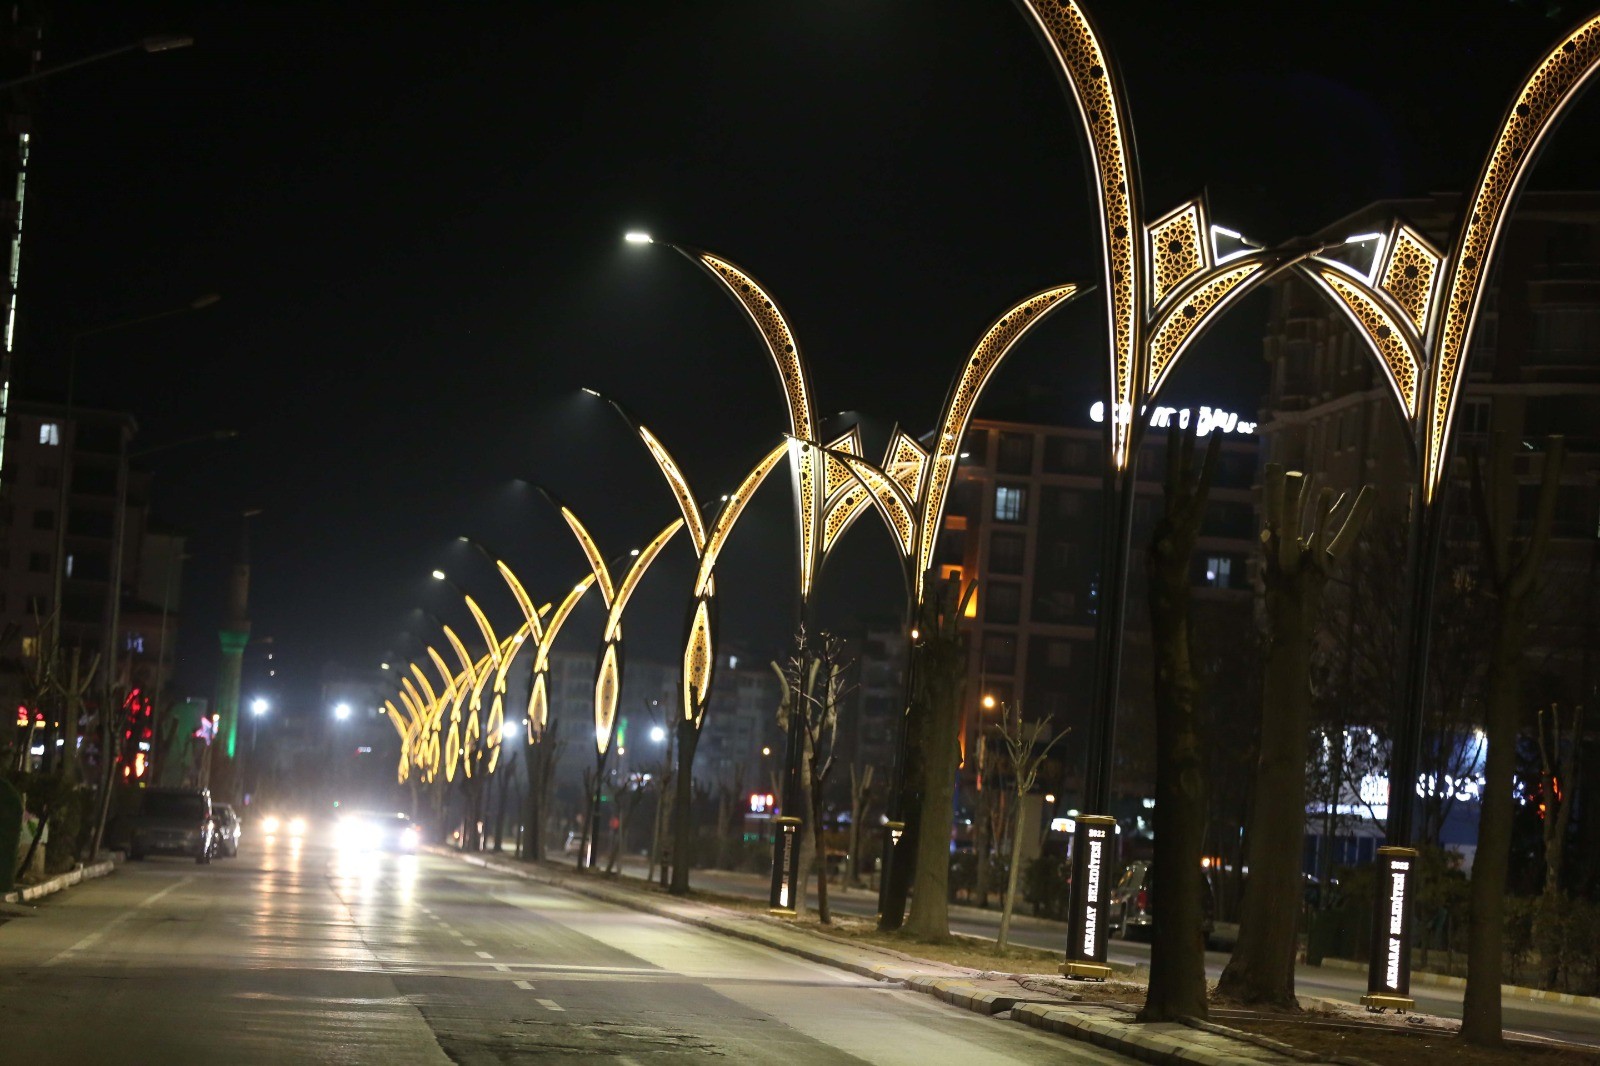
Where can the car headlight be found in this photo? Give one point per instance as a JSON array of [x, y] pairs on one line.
[[269, 824], [410, 837], [297, 827]]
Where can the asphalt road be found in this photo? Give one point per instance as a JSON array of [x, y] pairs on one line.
[[300, 954], [1531, 1017]]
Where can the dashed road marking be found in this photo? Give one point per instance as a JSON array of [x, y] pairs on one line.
[[483, 954], [524, 985], [502, 967], [550, 1004], [468, 943], [118, 920]]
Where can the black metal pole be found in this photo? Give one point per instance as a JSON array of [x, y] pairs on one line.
[[1389, 966], [788, 882], [1094, 835], [892, 882]]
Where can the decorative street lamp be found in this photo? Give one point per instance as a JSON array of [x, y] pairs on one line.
[[608, 672], [1416, 307], [1166, 282], [700, 629], [910, 491]]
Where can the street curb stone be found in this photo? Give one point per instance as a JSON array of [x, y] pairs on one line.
[[1174, 1043], [61, 881], [1439, 980]]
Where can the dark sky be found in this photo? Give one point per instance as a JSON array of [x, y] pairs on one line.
[[413, 212]]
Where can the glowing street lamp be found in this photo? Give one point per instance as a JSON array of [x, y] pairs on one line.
[[1166, 282], [342, 712]]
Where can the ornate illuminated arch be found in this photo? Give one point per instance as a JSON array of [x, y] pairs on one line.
[[1416, 308]]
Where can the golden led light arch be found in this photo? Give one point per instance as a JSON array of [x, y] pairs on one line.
[[698, 663], [1416, 307], [1166, 281], [806, 465], [608, 672]]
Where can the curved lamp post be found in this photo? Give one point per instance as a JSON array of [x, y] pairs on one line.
[[910, 491], [1167, 280], [608, 671], [824, 509], [1416, 308], [698, 664]]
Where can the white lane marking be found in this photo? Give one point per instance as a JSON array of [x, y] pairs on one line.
[[549, 1004], [483, 954], [524, 985], [468, 943], [118, 920], [502, 967]]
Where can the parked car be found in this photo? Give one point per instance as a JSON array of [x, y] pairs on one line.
[[173, 821], [1128, 907], [228, 830]]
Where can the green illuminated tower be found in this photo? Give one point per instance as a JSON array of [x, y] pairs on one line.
[[234, 635]]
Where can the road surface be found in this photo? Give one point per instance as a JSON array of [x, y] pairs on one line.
[[301, 954]]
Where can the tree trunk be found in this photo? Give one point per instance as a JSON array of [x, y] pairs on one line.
[[1177, 986], [1480, 1010], [1261, 969], [930, 902], [1010, 903], [1513, 569], [683, 808]]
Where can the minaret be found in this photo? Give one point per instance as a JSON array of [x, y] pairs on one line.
[[234, 635]]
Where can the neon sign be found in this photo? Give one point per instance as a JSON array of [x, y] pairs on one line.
[[1162, 417]]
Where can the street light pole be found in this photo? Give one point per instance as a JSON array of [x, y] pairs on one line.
[[160, 42]]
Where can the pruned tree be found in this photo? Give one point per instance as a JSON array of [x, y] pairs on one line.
[[627, 794], [1177, 986], [1558, 784], [1026, 750], [543, 752], [861, 794], [1511, 571], [729, 795], [941, 675], [1296, 564]]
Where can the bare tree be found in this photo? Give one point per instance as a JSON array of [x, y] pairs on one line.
[[1026, 754], [1558, 784], [1296, 565], [1512, 569]]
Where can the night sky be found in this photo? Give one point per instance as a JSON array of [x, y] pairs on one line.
[[414, 213]]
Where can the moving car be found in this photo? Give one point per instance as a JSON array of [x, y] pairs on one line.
[[226, 837], [376, 831], [292, 826], [173, 821]]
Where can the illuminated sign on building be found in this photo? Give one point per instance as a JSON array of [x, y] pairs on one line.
[[762, 802], [1162, 417]]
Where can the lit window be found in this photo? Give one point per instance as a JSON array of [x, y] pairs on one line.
[[1010, 503], [49, 433], [70, 558], [1219, 572], [30, 647]]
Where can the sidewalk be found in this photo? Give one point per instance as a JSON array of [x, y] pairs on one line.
[[28, 893], [1043, 1001]]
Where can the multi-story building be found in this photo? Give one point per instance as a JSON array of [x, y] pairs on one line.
[[1532, 373], [1024, 521], [106, 515]]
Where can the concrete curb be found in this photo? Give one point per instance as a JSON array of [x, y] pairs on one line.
[[1439, 980], [61, 881], [1171, 1043]]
